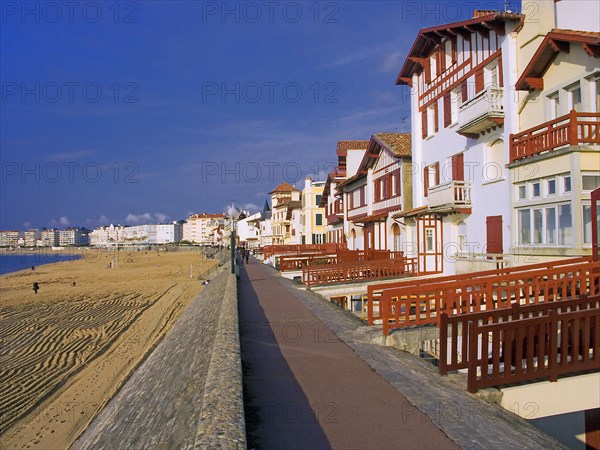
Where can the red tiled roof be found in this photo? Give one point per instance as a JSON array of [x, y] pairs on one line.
[[344, 146], [556, 41], [284, 187], [398, 143]]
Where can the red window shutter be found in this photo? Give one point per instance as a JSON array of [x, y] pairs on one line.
[[443, 58], [362, 196], [424, 123], [427, 70], [376, 183], [479, 81], [464, 91], [458, 167], [425, 181], [500, 80], [454, 51], [435, 117], [398, 183], [447, 110], [437, 173]]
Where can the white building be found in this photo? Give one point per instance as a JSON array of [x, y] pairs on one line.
[[462, 113], [200, 228], [49, 238], [169, 232]]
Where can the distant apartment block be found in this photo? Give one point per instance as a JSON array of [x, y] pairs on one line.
[[200, 228], [49, 238], [10, 238], [32, 238], [72, 237]]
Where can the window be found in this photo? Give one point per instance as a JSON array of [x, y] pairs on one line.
[[522, 192], [462, 236], [565, 225], [554, 105], [590, 182], [550, 225], [454, 105], [587, 224], [536, 189], [567, 184], [318, 199], [574, 96], [319, 219], [551, 187], [429, 240], [524, 226], [431, 125], [538, 225]]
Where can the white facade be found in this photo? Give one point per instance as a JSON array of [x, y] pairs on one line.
[[169, 232], [462, 115], [200, 228]]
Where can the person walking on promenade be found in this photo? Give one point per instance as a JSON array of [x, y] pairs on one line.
[[36, 287], [247, 255]]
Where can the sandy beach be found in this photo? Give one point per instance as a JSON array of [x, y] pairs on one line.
[[65, 351]]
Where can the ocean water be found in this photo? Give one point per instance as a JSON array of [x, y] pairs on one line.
[[15, 262]]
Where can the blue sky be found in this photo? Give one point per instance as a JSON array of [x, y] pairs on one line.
[[151, 110]]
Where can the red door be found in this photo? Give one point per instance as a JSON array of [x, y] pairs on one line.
[[494, 234]]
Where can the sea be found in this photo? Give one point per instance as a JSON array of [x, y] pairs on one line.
[[15, 262]]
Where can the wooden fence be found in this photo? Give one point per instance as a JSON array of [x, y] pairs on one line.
[[374, 290], [534, 348], [422, 305], [357, 271], [298, 249], [454, 330], [297, 262]]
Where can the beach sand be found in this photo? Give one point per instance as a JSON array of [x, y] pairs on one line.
[[65, 351]]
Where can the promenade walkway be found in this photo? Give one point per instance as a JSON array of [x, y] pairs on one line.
[[312, 381]]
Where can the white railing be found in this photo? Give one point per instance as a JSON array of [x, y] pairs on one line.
[[453, 193], [387, 203], [488, 103]]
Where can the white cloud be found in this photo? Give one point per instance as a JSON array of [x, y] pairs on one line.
[[63, 221], [138, 219], [392, 62], [250, 207]]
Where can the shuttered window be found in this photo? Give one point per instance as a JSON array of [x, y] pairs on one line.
[[447, 110]]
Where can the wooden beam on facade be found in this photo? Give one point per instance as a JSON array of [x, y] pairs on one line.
[[535, 83]]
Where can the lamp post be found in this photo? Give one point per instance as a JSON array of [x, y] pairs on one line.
[[233, 213]]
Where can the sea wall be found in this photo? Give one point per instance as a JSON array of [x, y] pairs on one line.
[[222, 422]]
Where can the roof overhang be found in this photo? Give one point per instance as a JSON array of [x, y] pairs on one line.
[[429, 38], [555, 42]]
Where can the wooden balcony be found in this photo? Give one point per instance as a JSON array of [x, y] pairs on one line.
[[357, 212], [450, 196], [482, 112], [575, 128], [387, 204]]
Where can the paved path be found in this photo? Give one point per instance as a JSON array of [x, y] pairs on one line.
[[318, 383], [305, 388]]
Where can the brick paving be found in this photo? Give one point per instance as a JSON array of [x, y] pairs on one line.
[[467, 420], [306, 389]]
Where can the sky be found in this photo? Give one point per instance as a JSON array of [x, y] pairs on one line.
[[148, 111]]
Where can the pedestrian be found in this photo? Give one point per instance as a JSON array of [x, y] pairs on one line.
[[32, 267], [36, 287], [247, 255]]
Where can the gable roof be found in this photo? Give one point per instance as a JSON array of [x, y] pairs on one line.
[[284, 187], [398, 144], [429, 38], [556, 41]]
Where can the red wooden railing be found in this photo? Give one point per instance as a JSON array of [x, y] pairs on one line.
[[571, 129], [454, 330], [358, 271], [534, 348], [422, 305], [298, 249], [297, 262], [374, 290]]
